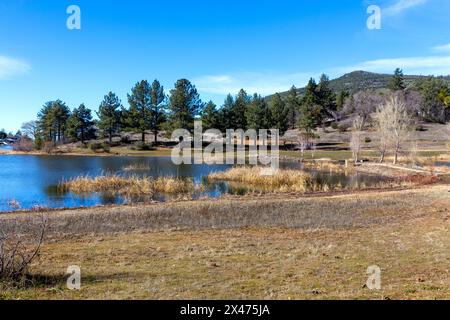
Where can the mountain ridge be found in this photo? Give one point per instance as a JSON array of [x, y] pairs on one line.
[[358, 80]]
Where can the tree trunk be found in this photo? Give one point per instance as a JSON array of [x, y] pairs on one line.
[[156, 136], [143, 136], [383, 155], [397, 147]]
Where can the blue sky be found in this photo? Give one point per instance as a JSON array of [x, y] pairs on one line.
[[221, 46]]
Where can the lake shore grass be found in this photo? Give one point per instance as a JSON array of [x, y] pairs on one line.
[[265, 178], [128, 186], [265, 248]]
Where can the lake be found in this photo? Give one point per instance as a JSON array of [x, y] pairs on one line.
[[27, 181]]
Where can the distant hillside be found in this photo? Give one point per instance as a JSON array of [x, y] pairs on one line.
[[360, 80]]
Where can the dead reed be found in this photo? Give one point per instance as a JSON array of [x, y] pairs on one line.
[[132, 185]]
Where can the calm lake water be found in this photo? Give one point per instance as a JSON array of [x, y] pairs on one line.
[[32, 180]]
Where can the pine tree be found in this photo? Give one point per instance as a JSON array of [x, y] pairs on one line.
[[225, 115], [185, 105], [139, 116], [109, 115], [241, 104], [340, 100], [293, 103], [326, 96], [53, 119], [397, 83], [158, 112], [210, 116], [310, 110], [257, 113], [80, 124], [278, 113]]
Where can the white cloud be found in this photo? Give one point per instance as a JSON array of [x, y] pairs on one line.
[[402, 5], [270, 83], [432, 65], [10, 67], [262, 83], [444, 48]]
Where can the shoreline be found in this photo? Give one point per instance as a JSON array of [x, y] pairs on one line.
[[230, 197]]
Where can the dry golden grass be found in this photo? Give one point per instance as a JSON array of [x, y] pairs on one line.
[[411, 245], [128, 185], [264, 178]]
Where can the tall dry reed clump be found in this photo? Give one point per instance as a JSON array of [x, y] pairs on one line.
[[128, 185], [279, 181]]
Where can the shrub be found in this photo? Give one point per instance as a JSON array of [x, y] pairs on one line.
[[24, 145], [48, 147], [17, 253], [367, 140], [106, 147], [335, 126], [96, 146], [141, 146]]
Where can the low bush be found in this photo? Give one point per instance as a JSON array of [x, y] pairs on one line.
[[17, 253], [142, 146], [100, 146], [25, 144]]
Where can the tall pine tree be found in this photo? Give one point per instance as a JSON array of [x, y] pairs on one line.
[[210, 116], [310, 110], [241, 104], [185, 105], [158, 112], [397, 82], [293, 103], [139, 116], [278, 113], [110, 115], [258, 114], [81, 125]]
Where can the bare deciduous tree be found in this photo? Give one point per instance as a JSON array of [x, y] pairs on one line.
[[30, 129], [355, 141], [393, 122], [17, 252], [363, 104]]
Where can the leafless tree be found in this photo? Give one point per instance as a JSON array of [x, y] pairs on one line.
[[355, 141], [393, 123], [363, 104], [302, 140], [30, 129], [17, 252]]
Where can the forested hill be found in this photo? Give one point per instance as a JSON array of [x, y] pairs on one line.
[[361, 80]]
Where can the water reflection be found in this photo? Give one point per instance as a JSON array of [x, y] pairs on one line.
[[33, 180]]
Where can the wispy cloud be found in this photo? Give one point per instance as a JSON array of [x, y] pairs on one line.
[[443, 48], [269, 83], [10, 67], [431, 65], [262, 83], [402, 5]]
